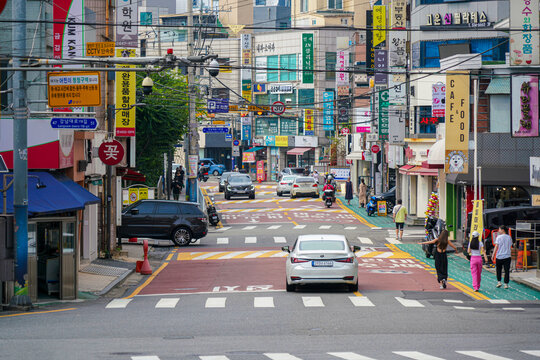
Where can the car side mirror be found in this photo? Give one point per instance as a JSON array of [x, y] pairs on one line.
[[286, 249], [356, 248], [134, 211]]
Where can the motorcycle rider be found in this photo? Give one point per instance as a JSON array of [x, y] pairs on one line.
[[328, 186]]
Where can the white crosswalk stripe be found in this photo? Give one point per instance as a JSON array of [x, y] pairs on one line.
[[280, 240], [263, 302], [349, 356], [453, 301], [323, 227], [513, 308], [249, 228], [274, 227], [409, 302], [499, 301], [416, 355], [251, 239], [365, 240], [360, 301], [281, 356], [299, 227], [482, 355], [350, 228], [531, 352], [463, 307], [150, 357], [217, 302], [222, 240], [393, 241], [225, 228], [167, 303], [118, 304], [312, 301], [215, 357]]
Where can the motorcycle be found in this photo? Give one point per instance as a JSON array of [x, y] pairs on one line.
[[434, 227], [203, 174], [371, 207], [213, 217], [328, 197]]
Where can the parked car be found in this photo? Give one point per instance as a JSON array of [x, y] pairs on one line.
[[239, 185], [317, 259], [181, 222], [389, 197], [304, 186], [298, 171], [213, 167], [284, 185], [223, 179]]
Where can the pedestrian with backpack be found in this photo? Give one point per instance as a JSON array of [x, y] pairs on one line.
[[476, 251]]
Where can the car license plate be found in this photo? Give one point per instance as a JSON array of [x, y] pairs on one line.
[[322, 263]]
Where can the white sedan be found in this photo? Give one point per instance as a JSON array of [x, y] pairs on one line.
[[284, 185], [321, 259]]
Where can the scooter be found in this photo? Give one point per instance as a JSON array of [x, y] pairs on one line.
[[371, 206], [434, 227], [213, 217], [203, 174], [328, 197]]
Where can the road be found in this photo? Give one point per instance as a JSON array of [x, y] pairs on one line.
[[224, 298]]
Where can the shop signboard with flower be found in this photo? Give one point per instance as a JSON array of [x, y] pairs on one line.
[[525, 105]]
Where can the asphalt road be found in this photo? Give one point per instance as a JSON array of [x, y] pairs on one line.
[[223, 298]]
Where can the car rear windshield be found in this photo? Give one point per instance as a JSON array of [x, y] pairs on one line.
[[305, 180], [240, 180], [297, 171], [322, 245], [289, 178]]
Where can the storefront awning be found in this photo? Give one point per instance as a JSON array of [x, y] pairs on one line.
[[499, 85], [132, 175], [253, 149], [406, 167], [51, 193], [355, 155], [435, 157], [418, 170], [298, 151]]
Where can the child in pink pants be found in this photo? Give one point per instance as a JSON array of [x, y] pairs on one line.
[[476, 250]]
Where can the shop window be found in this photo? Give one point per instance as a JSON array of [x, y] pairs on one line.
[[335, 4], [288, 99], [260, 2], [505, 196], [306, 98], [429, 50], [423, 127], [287, 62], [272, 62], [330, 66]]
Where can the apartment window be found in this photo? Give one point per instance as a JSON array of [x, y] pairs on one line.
[[260, 2], [283, 25], [306, 98], [272, 62], [335, 4], [287, 62], [344, 21], [429, 50], [304, 5], [424, 112], [330, 66]]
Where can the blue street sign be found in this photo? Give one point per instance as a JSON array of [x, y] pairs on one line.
[[236, 142], [228, 137], [214, 106], [215, 130], [74, 123]]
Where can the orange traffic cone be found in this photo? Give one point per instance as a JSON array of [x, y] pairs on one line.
[[145, 268]]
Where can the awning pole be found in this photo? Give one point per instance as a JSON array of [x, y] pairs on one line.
[[475, 92]]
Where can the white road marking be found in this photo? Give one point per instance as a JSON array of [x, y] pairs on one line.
[[273, 227], [531, 352], [482, 355], [263, 302], [312, 301], [349, 356], [206, 255], [350, 228], [149, 357], [224, 228], [453, 301], [499, 301], [281, 254], [514, 308], [251, 239], [249, 227], [214, 357], [409, 302], [322, 227], [281, 356], [215, 302], [376, 228], [393, 241], [167, 303], [365, 240], [360, 301], [118, 304], [255, 254], [299, 227], [232, 254], [222, 240], [280, 240], [196, 242], [463, 308], [416, 355]]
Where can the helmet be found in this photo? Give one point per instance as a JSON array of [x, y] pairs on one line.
[[328, 181], [475, 234]]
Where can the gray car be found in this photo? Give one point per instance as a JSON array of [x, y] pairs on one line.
[[223, 179], [239, 185]]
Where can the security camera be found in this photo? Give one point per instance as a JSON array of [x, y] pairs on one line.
[[147, 85], [213, 68]]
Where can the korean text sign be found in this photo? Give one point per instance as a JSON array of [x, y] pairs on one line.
[[307, 58], [457, 123], [125, 96], [525, 105], [524, 42], [73, 89]]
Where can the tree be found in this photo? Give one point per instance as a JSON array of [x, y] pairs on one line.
[[162, 123]]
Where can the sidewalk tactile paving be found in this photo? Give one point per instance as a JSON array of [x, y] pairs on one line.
[[103, 270]]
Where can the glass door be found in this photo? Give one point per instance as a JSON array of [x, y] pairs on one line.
[[68, 265]]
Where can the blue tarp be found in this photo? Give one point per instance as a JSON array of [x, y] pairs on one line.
[[60, 194]]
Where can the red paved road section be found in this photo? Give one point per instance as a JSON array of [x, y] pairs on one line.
[[259, 274]]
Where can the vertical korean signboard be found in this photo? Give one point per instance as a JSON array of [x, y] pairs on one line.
[[438, 95], [381, 67], [398, 39], [525, 42], [370, 48], [308, 122], [307, 58], [246, 66], [383, 114], [127, 19], [456, 160], [379, 25], [125, 96], [342, 62], [68, 39], [328, 110], [525, 105]]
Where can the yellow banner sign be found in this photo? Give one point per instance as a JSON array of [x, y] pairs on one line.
[[100, 48], [125, 96], [282, 141], [457, 123], [308, 122], [379, 24], [477, 219], [246, 94], [74, 89]]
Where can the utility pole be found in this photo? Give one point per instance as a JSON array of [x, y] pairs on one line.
[[20, 152], [192, 137]]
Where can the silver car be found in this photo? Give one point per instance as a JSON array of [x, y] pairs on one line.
[[284, 185], [321, 259], [304, 186]]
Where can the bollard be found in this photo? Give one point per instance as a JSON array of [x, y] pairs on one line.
[[145, 268]]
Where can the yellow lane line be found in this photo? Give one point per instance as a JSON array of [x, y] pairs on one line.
[[37, 312], [358, 293], [358, 217], [467, 290], [148, 281], [170, 256], [295, 223]]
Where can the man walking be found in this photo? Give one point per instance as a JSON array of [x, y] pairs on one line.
[[501, 255], [399, 214]]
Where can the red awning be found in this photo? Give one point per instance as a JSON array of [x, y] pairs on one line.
[[418, 170], [298, 151], [133, 175], [406, 167]]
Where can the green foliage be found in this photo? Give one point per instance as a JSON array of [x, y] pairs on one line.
[[161, 123]]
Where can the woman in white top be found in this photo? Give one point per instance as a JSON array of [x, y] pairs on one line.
[[476, 250]]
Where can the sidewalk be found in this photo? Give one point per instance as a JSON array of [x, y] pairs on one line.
[[374, 222]]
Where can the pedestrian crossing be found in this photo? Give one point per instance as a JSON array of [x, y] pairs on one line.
[[257, 201], [275, 210], [379, 354]]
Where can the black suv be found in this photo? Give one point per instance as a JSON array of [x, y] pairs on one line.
[[239, 185], [181, 222]]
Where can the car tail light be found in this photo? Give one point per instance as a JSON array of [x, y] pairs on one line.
[[203, 219], [295, 278], [296, 185], [283, 183], [348, 260], [314, 185], [297, 260]]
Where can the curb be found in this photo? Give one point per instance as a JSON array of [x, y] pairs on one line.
[[517, 279], [115, 282]]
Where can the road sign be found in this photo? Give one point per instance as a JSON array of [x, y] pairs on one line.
[[3, 166], [111, 153], [74, 89], [372, 137], [375, 149], [345, 131], [74, 123], [228, 137], [236, 151], [100, 48], [214, 106], [236, 142], [215, 130], [278, 108]]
